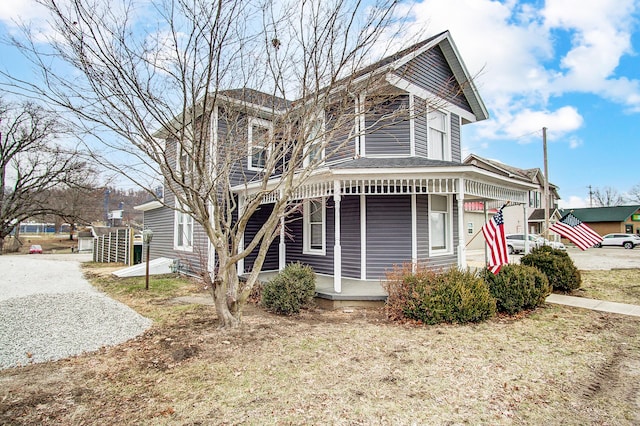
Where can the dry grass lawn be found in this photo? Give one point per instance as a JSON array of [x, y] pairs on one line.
[[556, 365]]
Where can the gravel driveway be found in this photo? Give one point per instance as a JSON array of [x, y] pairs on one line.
[[48, 311]]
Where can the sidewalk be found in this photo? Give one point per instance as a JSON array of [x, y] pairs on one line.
[[596, 305]]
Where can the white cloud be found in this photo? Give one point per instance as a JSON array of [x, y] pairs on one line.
[[573, 202], [513, 49]]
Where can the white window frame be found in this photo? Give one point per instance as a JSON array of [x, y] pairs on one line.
[[179, 220], [319, 139], [448, 249], [183, 148], [306, 227], [258, 122], [446, 149]]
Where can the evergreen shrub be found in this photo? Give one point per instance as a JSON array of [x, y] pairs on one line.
[[518, 287], [556, 265], [433, 297], [291, 290]]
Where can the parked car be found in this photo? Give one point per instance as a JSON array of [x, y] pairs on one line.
[[553, 244], [35, 249], [515, 242], [627, 241]]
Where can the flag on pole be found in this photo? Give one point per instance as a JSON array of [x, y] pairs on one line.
[[577, 232], [493, 232]]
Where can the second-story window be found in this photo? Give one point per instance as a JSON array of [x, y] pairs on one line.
[[260, 132], [314, 151], [439, 148]]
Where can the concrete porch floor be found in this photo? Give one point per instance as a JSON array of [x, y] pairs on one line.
[[355, 292]]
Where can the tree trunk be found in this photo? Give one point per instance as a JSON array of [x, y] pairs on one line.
[[226, 318]]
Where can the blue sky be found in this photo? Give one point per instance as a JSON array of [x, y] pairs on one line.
[[572, 66]]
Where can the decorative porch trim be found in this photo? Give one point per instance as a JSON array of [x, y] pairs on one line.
[[494, 192]]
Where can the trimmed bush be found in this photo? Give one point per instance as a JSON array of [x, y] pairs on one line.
[[518, 287], [291, 290], [556, 265], [432, 297]]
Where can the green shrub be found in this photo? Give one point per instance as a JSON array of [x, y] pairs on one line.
[[556, 265], [432, 297], [518, 287], [291, 290]]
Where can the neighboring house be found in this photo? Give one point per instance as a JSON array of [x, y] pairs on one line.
[[391, 195], [609, 220], [514, 214]]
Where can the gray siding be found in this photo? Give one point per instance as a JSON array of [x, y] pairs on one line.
[[431, 71], [350, 236], [388, 233], [388, 135], [271, 261], [420, 127], [161, 222], [321, 264], [456, 150], [339, 125]]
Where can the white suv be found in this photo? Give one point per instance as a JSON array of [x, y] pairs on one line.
[[627, 241], [515, 242]]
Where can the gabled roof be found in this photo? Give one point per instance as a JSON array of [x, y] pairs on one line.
[[528, 175], [451, 54], [603, 214], [538, 215], [256, 97]]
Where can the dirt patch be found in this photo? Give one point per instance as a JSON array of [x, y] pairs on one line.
[[553, 365]]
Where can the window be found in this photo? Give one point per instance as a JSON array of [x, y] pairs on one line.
[[260, 132], [183, 151], [439, 223], [314, 150], [183, 231], [314, 223], [438, 137]]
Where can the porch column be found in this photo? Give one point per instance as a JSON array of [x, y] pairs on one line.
[[462, 251], [525, 228], [240, 264], [337, 248], [282, 247]]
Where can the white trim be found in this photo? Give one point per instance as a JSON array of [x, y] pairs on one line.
[[320, 140], [429, 96], [412, 125], [183, 247], [253, 121], [414, 232], [306, 238], [448, 231], [447, 148], [356, 125], [337, 247], [462, 236], [150, 205], [363, 237], [363, 125]]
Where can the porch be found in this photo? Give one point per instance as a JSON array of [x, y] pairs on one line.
[[355, 292]]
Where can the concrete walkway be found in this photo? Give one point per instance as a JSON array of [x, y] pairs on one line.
[[596, 305]]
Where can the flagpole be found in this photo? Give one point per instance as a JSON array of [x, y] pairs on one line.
[[546, 184]]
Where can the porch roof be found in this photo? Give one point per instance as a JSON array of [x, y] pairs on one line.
[[398, 176]]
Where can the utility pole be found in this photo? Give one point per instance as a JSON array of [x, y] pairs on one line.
[[590, 196], [546, 184]]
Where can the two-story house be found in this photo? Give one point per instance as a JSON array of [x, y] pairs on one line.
[[392, 193]]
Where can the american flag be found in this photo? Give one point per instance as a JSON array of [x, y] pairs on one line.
[[577, 232], [493, 232]]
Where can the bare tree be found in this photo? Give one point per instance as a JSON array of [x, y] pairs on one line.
[[607, 197], [160, 95], [634, 194], [32, 165]]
